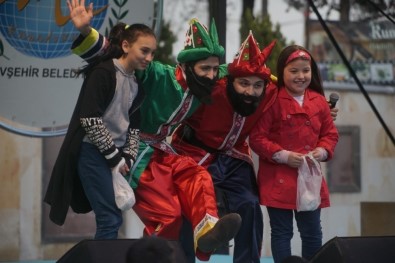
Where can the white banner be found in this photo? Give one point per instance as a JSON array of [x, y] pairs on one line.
[[37, 85]]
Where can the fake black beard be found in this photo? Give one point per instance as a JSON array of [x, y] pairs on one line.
[[201, 87], [238, 101]]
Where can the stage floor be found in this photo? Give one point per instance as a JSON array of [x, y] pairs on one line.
[[228, 259], [214, 259]]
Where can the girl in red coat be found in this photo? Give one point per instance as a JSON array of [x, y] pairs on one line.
[[298, 123]]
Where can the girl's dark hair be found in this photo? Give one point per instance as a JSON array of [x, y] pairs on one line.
[[316, 81], [118, 34]]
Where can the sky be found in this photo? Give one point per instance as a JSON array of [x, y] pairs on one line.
[[178, 13]]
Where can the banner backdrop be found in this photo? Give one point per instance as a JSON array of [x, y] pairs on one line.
[[37, 84], [369, 47]]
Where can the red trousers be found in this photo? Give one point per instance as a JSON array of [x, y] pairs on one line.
[[173, 186]]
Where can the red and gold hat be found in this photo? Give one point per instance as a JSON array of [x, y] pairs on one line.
[[250, 60], [200, 43]]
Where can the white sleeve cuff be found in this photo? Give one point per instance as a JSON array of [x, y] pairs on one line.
[[323, 154], [281, 156]]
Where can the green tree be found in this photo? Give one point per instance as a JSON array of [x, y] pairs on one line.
[[264, 32], [165, 45]]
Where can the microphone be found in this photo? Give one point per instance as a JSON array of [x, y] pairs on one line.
[[333, 98]]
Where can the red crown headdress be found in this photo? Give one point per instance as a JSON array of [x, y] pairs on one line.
[[250, 60]]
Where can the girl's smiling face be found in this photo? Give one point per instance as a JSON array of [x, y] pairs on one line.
[[297, 76], [140, 53]]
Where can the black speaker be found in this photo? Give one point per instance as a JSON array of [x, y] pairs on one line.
[[114, 251], [375, 249]]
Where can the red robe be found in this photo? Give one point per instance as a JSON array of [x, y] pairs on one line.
[[219, 127]]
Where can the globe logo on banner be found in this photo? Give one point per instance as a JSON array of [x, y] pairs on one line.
[[42, 29], [38, 83]]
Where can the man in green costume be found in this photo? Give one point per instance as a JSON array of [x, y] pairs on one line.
[[167, 186]]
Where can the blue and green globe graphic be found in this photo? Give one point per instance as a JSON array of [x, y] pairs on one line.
[[33, 30]]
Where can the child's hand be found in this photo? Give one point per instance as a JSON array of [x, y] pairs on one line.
[[124, 169], [295, 159], [334, 113], [80, 15], [320, 154]]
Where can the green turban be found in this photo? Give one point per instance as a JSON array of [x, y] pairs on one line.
[[200, 43]]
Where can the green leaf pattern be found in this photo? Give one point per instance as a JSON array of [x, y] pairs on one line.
[[117, 14]]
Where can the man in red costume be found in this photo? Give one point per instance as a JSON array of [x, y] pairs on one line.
[[215, 137]]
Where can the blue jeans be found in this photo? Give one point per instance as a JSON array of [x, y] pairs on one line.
[[236, 187], [96, 179], [309, 226]]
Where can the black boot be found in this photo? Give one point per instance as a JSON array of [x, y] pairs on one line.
[[224, 230]]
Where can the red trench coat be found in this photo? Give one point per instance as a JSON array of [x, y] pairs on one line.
[[287, 126]]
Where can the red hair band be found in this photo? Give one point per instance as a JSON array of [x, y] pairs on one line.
[[298, 54]]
